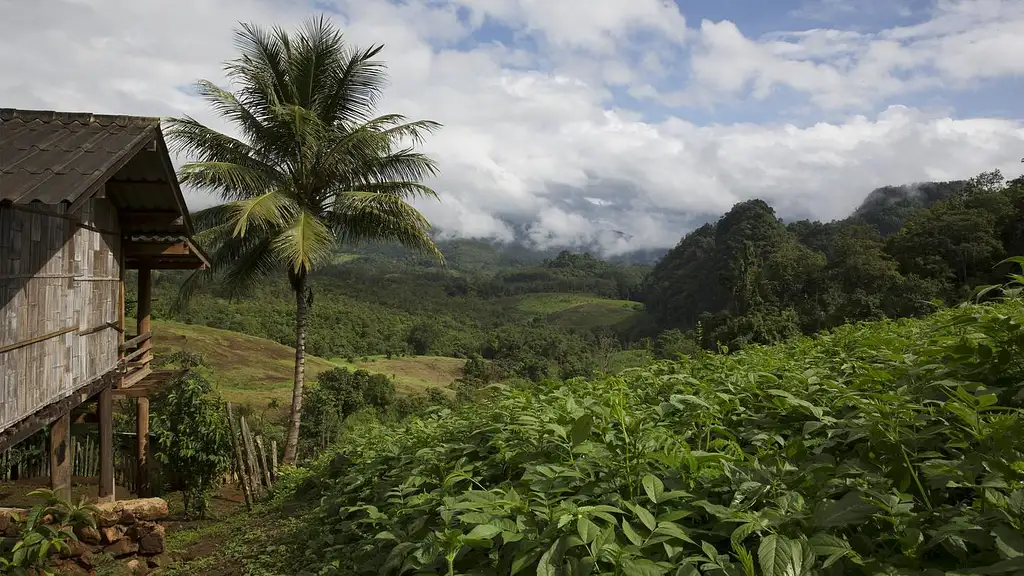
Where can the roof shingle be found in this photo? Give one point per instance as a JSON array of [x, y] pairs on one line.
[[57, 156]]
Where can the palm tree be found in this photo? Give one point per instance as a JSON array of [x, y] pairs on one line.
[[312, 167]]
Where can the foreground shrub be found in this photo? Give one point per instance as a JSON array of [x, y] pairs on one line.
[[883, 448], [47, 529], [192, 441]]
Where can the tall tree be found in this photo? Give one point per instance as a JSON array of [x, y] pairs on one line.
[[312, 166]]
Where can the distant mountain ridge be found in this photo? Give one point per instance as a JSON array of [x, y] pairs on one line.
[[885, 209]]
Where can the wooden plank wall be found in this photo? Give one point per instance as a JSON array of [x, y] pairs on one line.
[[54, 276]]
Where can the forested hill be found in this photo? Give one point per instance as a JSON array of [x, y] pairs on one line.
[[749, 277], [534, 314], [752, 278]]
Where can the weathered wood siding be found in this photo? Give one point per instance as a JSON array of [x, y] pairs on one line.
[[56, 276]]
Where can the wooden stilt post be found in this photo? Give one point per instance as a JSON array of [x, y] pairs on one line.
[[105, 411], [142, 408], [145, 313], [60, 456], [142, 447]]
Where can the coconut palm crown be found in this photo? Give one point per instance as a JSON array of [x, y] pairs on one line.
[[311, 167]]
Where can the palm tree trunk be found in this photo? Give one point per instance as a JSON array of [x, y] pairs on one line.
[[292, 442]]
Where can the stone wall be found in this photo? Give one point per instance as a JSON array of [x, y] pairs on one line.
[[126, 530]]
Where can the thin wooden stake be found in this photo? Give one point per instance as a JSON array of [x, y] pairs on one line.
[[239, 463], [273, 459], [250, 455], [263, 462]]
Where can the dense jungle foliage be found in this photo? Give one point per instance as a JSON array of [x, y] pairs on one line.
[[877, 448], [752, 278]]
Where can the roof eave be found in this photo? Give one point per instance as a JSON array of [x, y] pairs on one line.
[[172, 178]]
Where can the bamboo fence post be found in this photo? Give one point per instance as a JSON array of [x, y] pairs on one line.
[[264, 463], [239, 465], [273, 459], [250, 454]]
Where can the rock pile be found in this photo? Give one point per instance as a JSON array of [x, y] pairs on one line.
[[125, 530]]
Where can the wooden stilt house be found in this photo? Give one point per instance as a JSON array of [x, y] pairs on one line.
[[83, 198]]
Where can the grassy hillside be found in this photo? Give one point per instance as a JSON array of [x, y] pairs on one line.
[[257, 371]]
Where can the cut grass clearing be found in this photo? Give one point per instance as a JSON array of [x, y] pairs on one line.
[[579, 310], [550, 303], [256, 371], [411, 374]]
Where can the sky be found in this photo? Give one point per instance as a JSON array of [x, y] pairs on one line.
[[625, 123]]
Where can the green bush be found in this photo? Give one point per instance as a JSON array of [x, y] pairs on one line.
[[192, 440], [337, 394]]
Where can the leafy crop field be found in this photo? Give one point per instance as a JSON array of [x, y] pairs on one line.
[[882, 448]]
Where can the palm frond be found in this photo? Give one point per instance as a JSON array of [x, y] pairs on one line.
[[358, 87], [254, 265], [250, 122], [403, 165], [262, 69], [211, 217], [221, 163], [305, 244], [230, 181], [316, 63], [270, 211], [372, 217]]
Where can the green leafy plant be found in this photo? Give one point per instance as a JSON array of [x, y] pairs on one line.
[[46, 530], [192, 440]]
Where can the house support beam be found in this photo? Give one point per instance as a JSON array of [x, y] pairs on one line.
[[60, 456], [105, 413], [144, 315], [142, 405], [142, 447]]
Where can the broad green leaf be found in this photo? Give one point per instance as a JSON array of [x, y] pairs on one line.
[[551, 562], [687, 570], [630, 533], [484, 531], [645, 516], [1009, 542], [581, 429], [850, 509], [641, 567], [605, 537], [775, 556], [674, 530], [654, 487], [587, 529]]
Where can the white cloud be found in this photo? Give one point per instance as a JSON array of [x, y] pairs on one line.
[[963, 41], [536, 138]]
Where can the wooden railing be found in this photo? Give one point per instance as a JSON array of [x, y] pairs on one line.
[[136, 357]]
